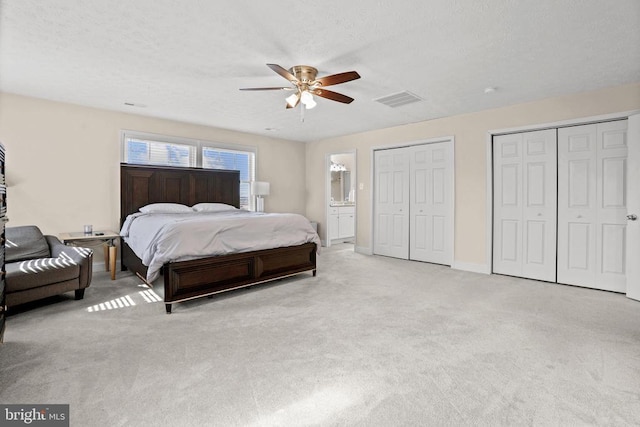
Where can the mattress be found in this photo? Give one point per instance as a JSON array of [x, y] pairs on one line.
[[158, 238]]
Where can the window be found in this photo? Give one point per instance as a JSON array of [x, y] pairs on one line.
[[145, 152], [217, 158], [149, 149]]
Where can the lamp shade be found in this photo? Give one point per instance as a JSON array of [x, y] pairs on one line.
[[307, 99], [292, 100], [259, 188]]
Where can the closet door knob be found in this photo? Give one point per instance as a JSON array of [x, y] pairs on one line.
[[632, 217]]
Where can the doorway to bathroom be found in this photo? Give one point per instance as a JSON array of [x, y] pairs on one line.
[[341, 198]]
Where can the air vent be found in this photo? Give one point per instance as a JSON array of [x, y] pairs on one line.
[[398, 99]]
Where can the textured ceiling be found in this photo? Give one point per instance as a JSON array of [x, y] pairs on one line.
[[186, 60]]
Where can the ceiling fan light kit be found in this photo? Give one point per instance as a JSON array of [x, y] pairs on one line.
[[292, 100], [304, 81], [307, 99]]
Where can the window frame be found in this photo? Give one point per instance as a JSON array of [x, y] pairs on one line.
[[199, 145]]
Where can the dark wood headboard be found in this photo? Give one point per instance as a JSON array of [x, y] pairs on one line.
[[141, 185]]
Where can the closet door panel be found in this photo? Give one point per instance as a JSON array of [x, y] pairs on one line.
[[431, 170], [525, 205], [420, 229], [578, 173], [579, 256], [613, 249], [398, 232], [441, 203], [535, 250], [510, 244], [391, 232], [592, 169], [612, 206], [510, 182], [539, 165], [577, 207], [632, 272], [507, 204], [420, 232], [438, 225]]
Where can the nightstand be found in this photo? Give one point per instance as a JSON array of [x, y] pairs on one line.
[[110, 248]]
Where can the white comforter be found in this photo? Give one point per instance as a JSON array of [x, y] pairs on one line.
[[161, 238]]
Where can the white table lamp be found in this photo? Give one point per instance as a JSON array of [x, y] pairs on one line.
[[259, 189]]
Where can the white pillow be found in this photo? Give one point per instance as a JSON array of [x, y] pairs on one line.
[[213, 207], [165, 208]]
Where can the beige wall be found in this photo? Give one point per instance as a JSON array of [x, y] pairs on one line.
[[470, 133], [63, 162]]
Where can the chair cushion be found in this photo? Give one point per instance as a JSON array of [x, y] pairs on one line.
[[33, 273], [26, 242]]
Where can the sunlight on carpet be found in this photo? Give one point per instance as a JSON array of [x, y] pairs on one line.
[[315, 409], [116, 303], [148, 295]]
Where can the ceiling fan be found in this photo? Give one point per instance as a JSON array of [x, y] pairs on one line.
[[305, 84]]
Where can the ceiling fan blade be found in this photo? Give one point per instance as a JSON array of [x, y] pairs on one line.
[[284, 73], [267, 88], [335, 79], [334, 96], [296, 103]]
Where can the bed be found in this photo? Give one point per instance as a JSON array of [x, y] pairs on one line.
[[209, 275]]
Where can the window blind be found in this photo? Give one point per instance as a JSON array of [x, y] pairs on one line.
[[144, 152], [149, 149], [243, 161]]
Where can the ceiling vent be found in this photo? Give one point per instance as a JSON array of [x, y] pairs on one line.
[[398, 99]]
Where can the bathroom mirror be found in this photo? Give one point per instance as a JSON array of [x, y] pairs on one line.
[[340, 185]]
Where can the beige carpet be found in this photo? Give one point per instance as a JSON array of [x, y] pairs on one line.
[[370, 341]]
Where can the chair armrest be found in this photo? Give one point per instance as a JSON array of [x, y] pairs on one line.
[[55, 246], [81, 256]]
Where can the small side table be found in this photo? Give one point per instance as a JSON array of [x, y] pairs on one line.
[[110, 248]]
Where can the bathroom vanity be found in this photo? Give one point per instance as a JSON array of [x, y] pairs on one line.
[[342, 220]]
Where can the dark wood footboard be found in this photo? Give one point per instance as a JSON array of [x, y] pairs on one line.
[[185, 280], [192, 279]]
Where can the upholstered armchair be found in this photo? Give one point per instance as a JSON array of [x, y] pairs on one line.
[[40, 266]]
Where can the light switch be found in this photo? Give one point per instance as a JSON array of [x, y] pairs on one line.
[[361, 186]]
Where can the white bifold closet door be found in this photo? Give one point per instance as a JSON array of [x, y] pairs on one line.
[[413, 212], [633, 207], [592, 208], [391, 228], [430, 217], [524, 190]]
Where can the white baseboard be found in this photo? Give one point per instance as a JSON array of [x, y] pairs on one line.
[[365, 250], [472, 267]]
